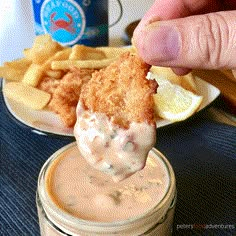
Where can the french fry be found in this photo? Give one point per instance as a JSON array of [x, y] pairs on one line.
[[81, 52], [14, 70], [89, 64], [43, 48], [59, 56], [19, 64], [111, 52], [10, 73], [56, 74], [33, 75], [27, 95]]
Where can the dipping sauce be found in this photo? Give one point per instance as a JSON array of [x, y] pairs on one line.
[[113, 150], [77, 199], [93, 195]]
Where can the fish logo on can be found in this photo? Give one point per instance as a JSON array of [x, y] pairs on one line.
[[64, 20]]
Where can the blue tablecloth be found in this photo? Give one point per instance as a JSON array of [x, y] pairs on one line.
[[201, 152]]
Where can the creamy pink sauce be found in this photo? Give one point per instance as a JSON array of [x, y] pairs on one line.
[[89, 194], [111, 149]]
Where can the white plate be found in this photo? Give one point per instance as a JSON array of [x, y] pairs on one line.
[[47, 122]]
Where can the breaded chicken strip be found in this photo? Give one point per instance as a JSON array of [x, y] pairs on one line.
[[122, 92], [49, 85], [115, 127], [66, 94]]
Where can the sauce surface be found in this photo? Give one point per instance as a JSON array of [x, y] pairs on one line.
[[111, 149], [89, 194]]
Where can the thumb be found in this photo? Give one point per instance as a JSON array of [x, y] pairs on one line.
[[200, 41]]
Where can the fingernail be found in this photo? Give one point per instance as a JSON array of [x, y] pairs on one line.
[[160, 43]]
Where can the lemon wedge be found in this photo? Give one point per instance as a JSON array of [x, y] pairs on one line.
[[185, 81], [173, 102]]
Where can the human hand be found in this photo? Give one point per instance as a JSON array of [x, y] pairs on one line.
[[188, 34]]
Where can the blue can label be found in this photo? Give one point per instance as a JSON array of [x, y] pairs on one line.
[[64, 20], [70, 22]]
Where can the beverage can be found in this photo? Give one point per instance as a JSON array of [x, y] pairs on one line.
[[71, 22]]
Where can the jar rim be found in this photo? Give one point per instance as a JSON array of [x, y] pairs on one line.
[[45, 199]]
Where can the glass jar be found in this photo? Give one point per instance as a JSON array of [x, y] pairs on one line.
[[54, 221]]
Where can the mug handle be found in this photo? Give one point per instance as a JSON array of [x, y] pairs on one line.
[[120, 16]]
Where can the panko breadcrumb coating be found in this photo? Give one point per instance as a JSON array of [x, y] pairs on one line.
[[49, 84], [121, 91], [66, 93]]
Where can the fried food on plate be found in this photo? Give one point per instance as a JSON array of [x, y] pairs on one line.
[[49, 84], [115, 127], [91, 64], [81, 52], [43, 48], [33, 75], [14, 70], [111, 52], [119, 90], [66, 93], [29, 96]]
